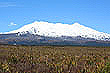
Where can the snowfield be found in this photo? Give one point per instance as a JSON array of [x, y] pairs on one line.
[[59, 29]]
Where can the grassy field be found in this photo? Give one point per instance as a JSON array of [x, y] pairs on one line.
[[54, 59]]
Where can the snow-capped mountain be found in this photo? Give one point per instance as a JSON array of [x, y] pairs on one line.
[[59, 29]]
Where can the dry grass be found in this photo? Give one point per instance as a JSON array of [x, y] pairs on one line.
[[54, 59]]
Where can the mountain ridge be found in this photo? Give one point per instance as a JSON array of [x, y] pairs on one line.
[[59, 29], [44, 33]]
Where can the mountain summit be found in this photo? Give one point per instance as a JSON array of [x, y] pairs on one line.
[[59, 29]]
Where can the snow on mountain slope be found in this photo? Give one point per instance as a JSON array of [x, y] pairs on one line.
[[59, 29]]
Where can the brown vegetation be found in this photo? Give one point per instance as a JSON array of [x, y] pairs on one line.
[[53, 59]]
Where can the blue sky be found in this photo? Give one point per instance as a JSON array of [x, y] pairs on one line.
[[91, 13]]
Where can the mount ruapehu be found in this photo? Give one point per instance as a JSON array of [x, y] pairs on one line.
[[44, 33]]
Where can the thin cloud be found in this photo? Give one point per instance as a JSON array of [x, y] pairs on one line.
[[7, 4], [12, 24]]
